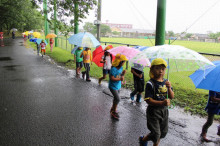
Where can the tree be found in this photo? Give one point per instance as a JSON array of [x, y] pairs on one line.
[[170, 34], [105, 29], [20, 14], [89, 27], [188, 35], [214, 35]]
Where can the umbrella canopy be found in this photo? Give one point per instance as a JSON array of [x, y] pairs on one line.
[[14, 29], [99, 56], [208, 79], [26, 33], [84, 39], [143, 61], [178, 57], [33, 40], [127, 51], [74, 49], [38, 41], [98, 50], [31, 31], [36, 34], [51, 35], [1, 32]]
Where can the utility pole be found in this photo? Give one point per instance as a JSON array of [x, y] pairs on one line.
[[99, 19], [55, 23], [161, 21], [45, 17], [76, 17]]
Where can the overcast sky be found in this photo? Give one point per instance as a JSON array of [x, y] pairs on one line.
[[180, 14]]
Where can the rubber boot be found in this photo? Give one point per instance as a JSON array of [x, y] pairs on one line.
[[132, 97]]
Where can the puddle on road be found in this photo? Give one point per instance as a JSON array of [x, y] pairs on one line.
[[5, 58], [11, 67]]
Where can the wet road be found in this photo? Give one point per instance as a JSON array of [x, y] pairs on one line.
[[42, 103]]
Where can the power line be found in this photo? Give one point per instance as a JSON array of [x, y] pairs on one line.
[[197, 19]]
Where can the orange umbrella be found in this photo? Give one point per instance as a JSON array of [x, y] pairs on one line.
[[51, 35]]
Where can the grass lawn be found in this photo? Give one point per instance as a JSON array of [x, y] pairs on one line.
[[186, 96]]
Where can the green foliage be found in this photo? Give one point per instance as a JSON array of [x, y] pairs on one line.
[[170, 34], [188, 35], [20, 14], [214, 35]]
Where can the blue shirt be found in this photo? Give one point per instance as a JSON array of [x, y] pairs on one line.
[[213, 107], [115, 85]]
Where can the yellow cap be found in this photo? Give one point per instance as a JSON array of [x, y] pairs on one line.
[[80, 48], [109, 47], [159, 61], [118, 59]]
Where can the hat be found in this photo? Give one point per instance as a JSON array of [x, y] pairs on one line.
[[80, 48], [109, 47], [159, 61], [118, 59]]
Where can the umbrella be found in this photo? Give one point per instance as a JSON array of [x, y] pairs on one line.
[[26, 33], [143, 48], [51, 35], [208, 79], [178, 57], [38, 41], [143, 61], [33, 40], [84, 39], [36, 34], [127, 51], [1, 32], [14, 29], [98, 50], [31, 31], [99, 56]]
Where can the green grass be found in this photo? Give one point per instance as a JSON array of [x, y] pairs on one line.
[[186, 96]]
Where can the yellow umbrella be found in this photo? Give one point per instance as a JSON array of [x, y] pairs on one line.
[[51, 35], [26, 33], [36, 34]]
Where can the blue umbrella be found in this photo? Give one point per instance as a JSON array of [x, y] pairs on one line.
[[84, 39], [143, 48], [208, 79], [38, 41], [33, 40], [74, 49]]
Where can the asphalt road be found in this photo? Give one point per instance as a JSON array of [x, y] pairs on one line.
[[42, 103]]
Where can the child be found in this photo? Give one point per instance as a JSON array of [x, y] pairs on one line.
[[107, 60], [43, 47], [78, 60], [115, 77], [212, 108], [87, 58], [138, 76], [155, 95], [51, 44]]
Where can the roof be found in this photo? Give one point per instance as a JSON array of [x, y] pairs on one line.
[[137, 30]]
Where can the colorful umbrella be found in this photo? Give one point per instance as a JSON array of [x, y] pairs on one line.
[[179, 58], [26, 33], [36, 34], [98, 50], [38, 41], [208, 79], [84, 39], [33, 40], [127, 51], [142, 61], [50, 35], [99, 56]]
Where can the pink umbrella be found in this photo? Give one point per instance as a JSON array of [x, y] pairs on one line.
[[127, 51], [142, 61]]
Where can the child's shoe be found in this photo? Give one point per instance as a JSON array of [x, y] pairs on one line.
[[138, 98], [114, 115], [204, 138], [100, 82], [83, 75], [88, 80], [218, 130], [132, 97], [142, 143]]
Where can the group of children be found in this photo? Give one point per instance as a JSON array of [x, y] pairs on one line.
[[42, 47], [158, 92]]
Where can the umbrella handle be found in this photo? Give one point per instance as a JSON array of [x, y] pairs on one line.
[[172, 105]]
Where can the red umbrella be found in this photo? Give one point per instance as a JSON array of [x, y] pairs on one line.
[[1, 32], [97, 51], [99, 55]]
